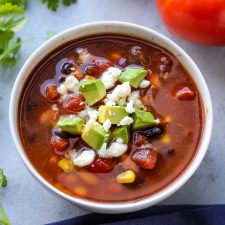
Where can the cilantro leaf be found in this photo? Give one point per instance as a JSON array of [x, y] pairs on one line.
[[3, 179], [54, 4], [68, 2], [9, 56], [21, 3], [3, 218], [12, 17]]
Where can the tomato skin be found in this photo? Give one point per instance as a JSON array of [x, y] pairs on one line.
[[101, 165], [195, 20]]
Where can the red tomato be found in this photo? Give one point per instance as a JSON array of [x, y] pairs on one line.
[[51, 93], [145, 158], [195, 20], [60, 144], [101, 165], [74, 103]]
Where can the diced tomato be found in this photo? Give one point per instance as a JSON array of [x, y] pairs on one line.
[[101, 165], [52, 93], [145, 158], [60, 144], [139, 139], [92, 70], [97, 66], [74, 103], [102, 65], [183, 93]]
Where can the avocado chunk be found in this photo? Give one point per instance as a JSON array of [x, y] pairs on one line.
[[95, 135], [92, 90], [142, 119], [114, 113], [133, 75], [72, 125], [120, 132]]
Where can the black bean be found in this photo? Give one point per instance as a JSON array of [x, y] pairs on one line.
[[152, 132], [62, 79], [67, 68], [57, 131]]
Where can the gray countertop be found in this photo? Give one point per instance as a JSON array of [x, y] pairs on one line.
[[25, 200]]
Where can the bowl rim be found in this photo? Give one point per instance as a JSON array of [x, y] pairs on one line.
[[115, 207]]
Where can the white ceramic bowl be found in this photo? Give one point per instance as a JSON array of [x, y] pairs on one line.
[[138, 32]]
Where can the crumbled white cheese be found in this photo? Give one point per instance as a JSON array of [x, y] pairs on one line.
[[123, 90], [109, 102], [55, 107], [146, 146], [126, 121], [115, 150], [71, 84], [119, 140], [106, 125], [157, 121], [144, 84], [122, 102], [85, 158], [61, 89], [135, 97], [83, 53], [130, 107], [118, 95], [93, 115], [110, 76]]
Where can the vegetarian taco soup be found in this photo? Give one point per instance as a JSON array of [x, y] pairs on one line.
[[110, 118]]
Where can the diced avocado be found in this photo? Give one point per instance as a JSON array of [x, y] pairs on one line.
[[133, 75], [95, 135], [72, 125], [114, 113], [92, 90], [142, 119], [121, 132]]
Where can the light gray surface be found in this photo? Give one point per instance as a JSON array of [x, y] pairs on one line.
[[25, 200]]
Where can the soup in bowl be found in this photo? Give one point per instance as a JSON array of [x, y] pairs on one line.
[[112, 116]]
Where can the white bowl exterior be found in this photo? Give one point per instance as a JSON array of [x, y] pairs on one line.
[[130, 30]]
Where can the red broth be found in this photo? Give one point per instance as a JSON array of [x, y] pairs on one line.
[[173, 97]]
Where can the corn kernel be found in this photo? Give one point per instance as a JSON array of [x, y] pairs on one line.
[[88, 77], [126, 177], [155, 81], [66, 165], [80, 191], [53, 159], [167, 119], [166, 139], [115, 56]]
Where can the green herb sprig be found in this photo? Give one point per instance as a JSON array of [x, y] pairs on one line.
[[12, 19], [3, 183], [54, 4]]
